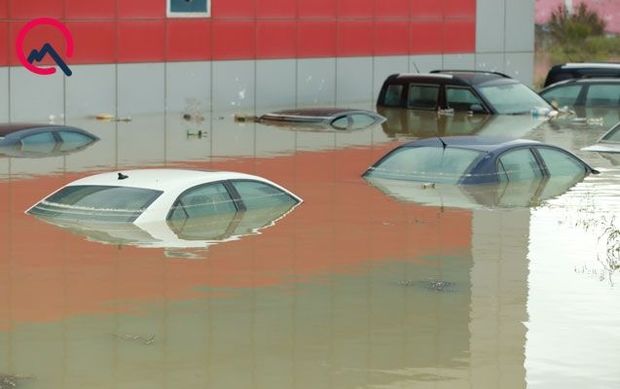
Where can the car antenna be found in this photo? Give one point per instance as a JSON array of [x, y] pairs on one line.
[[416, 67], [443, 144], [122, 176]]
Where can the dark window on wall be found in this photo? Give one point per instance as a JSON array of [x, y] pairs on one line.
[[189, 8]]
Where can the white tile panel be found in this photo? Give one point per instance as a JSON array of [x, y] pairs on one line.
[[521, 67], [188, 87], [492, 62], [425, 63], [354, 80], [519, 25], [233, 84], [140, 89], [90, 90], [384, 66], [490, 28], [35, 97], [275, 84], [316, 82], [4, 94], [459, 61]]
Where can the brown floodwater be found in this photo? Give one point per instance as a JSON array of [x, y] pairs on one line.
[[355, 288]]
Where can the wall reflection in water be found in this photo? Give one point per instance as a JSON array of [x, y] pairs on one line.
[[352, 289]]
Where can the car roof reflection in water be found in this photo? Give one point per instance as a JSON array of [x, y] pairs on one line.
[[197, 233], [500, 195]]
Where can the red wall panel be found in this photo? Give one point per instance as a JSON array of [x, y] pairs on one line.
[[355, 38], [356, 8], [426, 37], [188, 40], [316, 39], [233, 40], [30, 9], [392, 9], [276, 39], [141, 40], [128, 9], [233, 9], [138, 30], [4, 49], [459, 36], [426, 9], [276, 9], [95, 42], [316, 9], [90, 9], [391, 38]]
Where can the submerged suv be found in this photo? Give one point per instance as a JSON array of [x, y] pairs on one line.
[[569, 71], [461, 90]]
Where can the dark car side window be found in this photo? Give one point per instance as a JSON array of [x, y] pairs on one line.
[[43, 142], [393, 95], [461, 99], [603, 95], [73, 140], [202, 200], [518, 165], [563, 95], [422, 96]]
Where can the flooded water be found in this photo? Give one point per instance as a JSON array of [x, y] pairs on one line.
[[355, 288]]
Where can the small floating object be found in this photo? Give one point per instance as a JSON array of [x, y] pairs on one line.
[[193, 117], [104, 116], [199, 134], [428, 185], [241, 117]]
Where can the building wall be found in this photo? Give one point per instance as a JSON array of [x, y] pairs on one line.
[[251, 55]]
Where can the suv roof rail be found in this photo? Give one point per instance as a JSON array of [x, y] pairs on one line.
[[470, 71]]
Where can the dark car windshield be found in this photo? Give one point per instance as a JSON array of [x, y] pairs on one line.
[[428, 164], [512, 98], [96, 203]]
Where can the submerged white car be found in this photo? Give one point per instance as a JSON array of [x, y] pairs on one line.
[[175, 207]]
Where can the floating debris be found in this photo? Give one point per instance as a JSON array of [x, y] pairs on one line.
[[146, 340], [432, 285], [8, 381], [111, 118], [241, 117], [198, 134], [196, 117]]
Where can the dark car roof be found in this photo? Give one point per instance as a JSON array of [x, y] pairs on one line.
[[9, 128], [561, 72], [479, 143], [579, 81], [466, 77]]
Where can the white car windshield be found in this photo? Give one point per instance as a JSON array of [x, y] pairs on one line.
[[513, 98], [96, 202]]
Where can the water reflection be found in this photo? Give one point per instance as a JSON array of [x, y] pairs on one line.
[[351, 290], [504, 194]]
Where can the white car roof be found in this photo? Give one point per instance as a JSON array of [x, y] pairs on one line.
[[162, 179]]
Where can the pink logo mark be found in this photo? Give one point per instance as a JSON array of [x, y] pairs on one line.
[[21, 37]]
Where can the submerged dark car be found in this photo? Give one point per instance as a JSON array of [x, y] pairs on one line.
[[341, 119], [42, 140], [477, 160], [589, 92], [475, 92], [573, 70]]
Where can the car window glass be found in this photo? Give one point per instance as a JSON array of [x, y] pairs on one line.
[[96, 202], [432, 164], [603, 95], [565, 95], [203, 200], [518, 165], [613, 135], [354, 121], [560, 163], [255, 195], [422, 96], [43, 142], [393, 95], [512, 98], [461, 99], [211, 227], [72, 140]]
